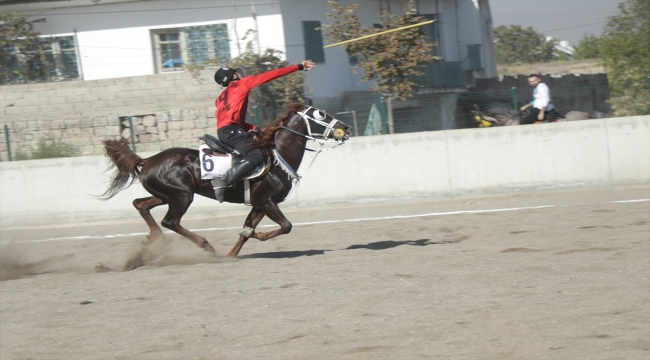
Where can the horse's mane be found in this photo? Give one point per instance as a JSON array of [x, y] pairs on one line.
[[265, 137]]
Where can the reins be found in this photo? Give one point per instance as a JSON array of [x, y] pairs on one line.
[[322, 139]]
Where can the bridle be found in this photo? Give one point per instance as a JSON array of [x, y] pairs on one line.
[[338, 135]]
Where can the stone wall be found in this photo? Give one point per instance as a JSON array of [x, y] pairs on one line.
[[166, 110]]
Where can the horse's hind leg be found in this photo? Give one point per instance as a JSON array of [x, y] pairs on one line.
[[143, 206], [252, 220], [172, 221]]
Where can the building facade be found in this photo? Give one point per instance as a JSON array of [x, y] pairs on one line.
[[123, 58], [101, 39]]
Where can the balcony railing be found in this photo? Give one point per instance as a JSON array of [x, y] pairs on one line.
[[442, 74]]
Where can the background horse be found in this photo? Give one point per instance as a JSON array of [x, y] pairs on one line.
[[500, 116], [173, 176]]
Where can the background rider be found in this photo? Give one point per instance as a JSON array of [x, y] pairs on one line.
[[541, 103]]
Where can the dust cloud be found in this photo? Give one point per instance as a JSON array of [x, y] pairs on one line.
[[22, 260]]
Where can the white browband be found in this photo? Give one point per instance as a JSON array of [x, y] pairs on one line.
[[329, 128], [322, 138]]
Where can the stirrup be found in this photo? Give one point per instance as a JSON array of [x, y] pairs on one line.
[[219, 193], [219, 188]]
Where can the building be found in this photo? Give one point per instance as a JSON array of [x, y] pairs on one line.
[[95, 40], [564, 48], [100, 39]]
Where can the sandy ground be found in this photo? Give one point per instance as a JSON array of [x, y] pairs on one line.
[[510, 280]]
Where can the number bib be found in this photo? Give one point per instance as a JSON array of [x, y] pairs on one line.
[[213, 166]]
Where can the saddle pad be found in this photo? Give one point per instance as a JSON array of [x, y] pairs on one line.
[[213, 166]]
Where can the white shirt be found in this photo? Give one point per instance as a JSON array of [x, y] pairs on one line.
[[542, 97]]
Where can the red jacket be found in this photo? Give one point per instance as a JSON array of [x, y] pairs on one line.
[[233, 101]]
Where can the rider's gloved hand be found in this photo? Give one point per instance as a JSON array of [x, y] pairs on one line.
[[306, 65]]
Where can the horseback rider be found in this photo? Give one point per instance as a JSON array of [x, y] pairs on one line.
[[231, 119], [541, 104]]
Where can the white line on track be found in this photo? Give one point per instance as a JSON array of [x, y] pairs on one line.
[[339, 221]]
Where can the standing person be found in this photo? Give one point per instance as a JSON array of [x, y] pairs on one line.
[[231, 118], [541, 103]]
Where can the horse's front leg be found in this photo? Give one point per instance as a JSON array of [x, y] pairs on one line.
[[252, 220], [272, 210]]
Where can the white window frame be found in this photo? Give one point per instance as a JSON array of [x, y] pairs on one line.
[[183, 41], [155, 34], [57, 54]]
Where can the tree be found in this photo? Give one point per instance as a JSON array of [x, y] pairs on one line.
[[390, 61], [20, 45], [625, 49], [587, 48], [515, 44], [272, 97]]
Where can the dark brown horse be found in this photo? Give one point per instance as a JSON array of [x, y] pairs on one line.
[[173, 176]]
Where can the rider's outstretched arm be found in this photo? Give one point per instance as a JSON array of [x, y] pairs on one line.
[[252, 81]]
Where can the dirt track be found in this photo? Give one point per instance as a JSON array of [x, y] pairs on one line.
[[565, 282]]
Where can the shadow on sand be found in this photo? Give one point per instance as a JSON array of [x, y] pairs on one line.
[[378, 245]]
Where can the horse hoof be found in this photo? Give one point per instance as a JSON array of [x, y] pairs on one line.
[[209, 249], [153, 237], [247, 232], [209, 254]]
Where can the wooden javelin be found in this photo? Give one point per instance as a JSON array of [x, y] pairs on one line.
[[380, 33]]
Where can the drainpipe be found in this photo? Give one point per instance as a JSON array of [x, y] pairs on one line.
[[132, 136], [76, 45], [9, 144]]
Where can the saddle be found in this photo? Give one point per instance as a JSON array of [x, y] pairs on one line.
[[216, 144], [220, 148]]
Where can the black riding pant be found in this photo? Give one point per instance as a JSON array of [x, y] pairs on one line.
[[531, 117], [235, 136]]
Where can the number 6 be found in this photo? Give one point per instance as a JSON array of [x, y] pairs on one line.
[[208, 165]]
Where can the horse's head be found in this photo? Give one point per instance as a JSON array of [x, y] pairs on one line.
[[322, 126], [307, 122]]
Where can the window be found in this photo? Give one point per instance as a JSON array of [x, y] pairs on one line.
[[432, 32], [353, 60], [59, 61], [474, 56], [169, 48], [313, 40], [191, 45]]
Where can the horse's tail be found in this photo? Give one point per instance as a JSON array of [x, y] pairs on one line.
[[127, 165]]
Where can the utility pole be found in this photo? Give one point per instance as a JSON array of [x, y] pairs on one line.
[[234, 7], [257, 29]]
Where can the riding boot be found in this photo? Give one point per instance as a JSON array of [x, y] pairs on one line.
[[238, 171]]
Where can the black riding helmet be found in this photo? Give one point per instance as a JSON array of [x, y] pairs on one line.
[[223, 76]]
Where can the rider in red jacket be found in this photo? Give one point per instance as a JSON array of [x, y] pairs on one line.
[[231, 118]]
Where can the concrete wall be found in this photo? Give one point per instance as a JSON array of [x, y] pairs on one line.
[[441, 163]]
